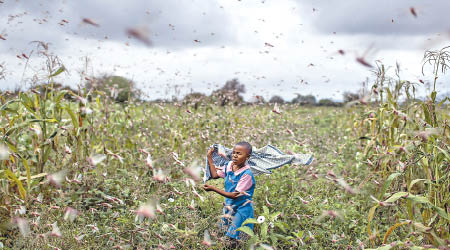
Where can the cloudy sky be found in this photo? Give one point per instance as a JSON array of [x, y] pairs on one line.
[[274, 47]]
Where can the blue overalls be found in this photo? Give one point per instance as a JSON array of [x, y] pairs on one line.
[[241, 207]]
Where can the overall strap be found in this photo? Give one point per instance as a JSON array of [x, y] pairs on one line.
[[226, 167]]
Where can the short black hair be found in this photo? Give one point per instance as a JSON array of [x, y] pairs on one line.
[[246, 145]]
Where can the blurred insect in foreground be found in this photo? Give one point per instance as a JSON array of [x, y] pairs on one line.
[[91, 22], [194, 170], [276, 109], [207, 239], [70, 214], [141, 33], [413, 12], [329, 213], [57, 178], [362, 60], [147, 210]]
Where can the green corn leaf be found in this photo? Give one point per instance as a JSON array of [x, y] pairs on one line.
[[27, 168], [397, 196], [22, 191], [34, 176], [28, 104], [414, 182], [11, 146], [370, 218], [274, 215], [433, 95], [246, 230], [72, 116], [299, 234], [249, 221], [441, 212], [266, 210], [264, 229], [61, 95], [47, 151], [280, 226], [418, 199], [59, 71], [426, 113], [4, 106], [387, 183], [446, 154], [421, 227], [443, 101]]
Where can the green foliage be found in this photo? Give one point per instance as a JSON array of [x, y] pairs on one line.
[[117, 88], [408, 144], [350, 96], [304, 99], [276, 99], [380, 174], [107, 193], [230, 93], [266, 229], [328, 102]]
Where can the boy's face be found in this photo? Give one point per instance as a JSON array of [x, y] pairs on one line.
[[239, 155]]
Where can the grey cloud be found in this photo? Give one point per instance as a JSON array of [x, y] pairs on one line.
[[378, 17], [172, 23]]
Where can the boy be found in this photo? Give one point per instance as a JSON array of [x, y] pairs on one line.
[[239, 188]]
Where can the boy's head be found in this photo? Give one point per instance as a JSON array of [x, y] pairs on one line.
[[241, 152], [246, 145]]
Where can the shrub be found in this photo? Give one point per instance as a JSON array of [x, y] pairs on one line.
[[118, 88], [304, 99], [276, 99], [328, 102], [229, 93]]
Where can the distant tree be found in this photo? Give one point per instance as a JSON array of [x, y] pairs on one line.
[[194, 98], [234, 85], [304, 99], [276, 99], [229, 93], [328, 102], [118, 88], [349, 96], [257, 99]]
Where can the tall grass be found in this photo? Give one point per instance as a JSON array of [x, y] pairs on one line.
[[62, 150], [408, 148]]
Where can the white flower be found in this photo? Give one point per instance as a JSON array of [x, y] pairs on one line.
[[4, 152], [271, 225], [85, 110], [261, 219], [171, 200]]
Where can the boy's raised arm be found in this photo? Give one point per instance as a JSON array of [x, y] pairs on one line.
[[231, 195], [212, 167]]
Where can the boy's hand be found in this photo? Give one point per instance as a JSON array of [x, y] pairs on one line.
[[207, 187], [210, 151]]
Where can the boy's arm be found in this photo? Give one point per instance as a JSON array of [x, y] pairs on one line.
[[231, 195], [212, 167]]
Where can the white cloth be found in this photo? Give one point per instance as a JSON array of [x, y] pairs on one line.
[[261, 161]]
